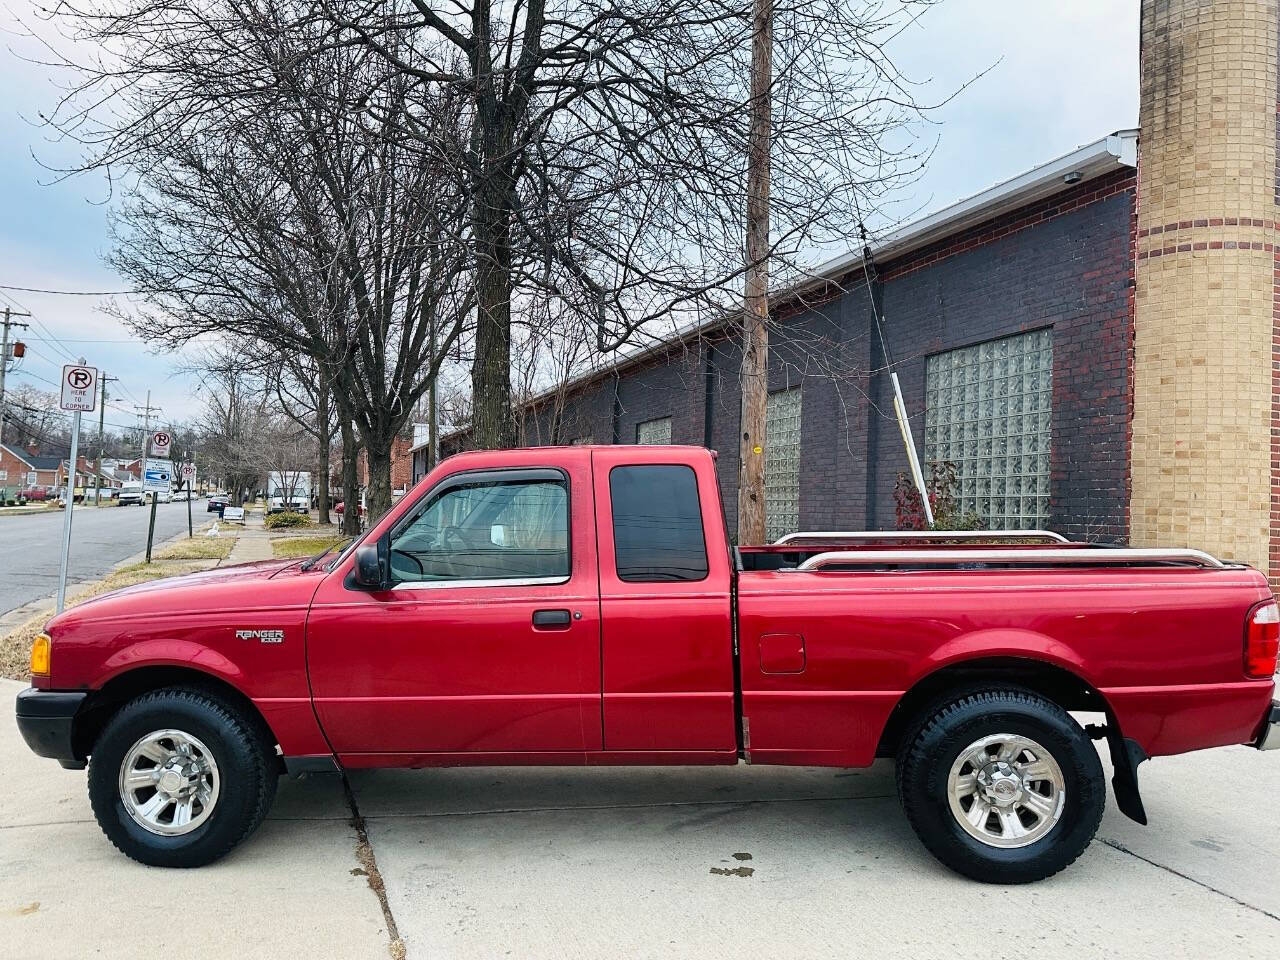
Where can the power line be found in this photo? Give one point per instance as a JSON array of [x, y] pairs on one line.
[[36, 411], [14, 300], [41, 339], [77, 293]]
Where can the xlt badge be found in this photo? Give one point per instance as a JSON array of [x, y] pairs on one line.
[[266, 636]]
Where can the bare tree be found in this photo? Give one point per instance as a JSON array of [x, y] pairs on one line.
[[288, 451], [305, 394], [276, 199], [590, 151], [236, 405], [32, 415], [607, 153]]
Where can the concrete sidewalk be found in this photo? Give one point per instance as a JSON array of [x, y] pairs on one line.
[[254, 541], [295, 889], [761, 862]]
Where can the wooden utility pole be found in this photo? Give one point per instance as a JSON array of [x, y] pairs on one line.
[[755, 318], [102, 414], [4, 355]]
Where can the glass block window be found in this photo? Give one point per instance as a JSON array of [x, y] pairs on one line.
[[782, 464], [654, 431], [987, 411]]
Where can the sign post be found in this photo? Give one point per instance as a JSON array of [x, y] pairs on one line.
[[157, 475], [79, 395], [189, 482]]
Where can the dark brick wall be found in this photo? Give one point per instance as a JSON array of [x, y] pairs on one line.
[[672, 387], [1071, 272], [1065, 263]]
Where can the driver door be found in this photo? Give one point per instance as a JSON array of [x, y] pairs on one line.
[[487, 640]]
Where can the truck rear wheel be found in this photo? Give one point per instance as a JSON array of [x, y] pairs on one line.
[[1002, 786], [178, 778]]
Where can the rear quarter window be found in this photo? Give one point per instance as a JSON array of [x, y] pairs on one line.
[[657, 524]]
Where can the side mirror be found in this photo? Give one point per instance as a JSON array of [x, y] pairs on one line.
[[367, 573]]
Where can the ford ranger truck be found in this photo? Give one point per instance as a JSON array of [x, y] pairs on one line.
[[584, 605]]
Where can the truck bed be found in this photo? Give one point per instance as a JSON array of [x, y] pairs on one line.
[[847, 627]]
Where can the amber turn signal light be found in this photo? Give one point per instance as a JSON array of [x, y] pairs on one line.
[[40, 655]]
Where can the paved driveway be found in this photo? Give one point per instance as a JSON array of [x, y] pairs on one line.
[[102, 537], [618, 864]]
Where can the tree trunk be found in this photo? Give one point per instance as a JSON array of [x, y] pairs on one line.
[[491, 369], [350, 480], [378, 455], [321, 482]]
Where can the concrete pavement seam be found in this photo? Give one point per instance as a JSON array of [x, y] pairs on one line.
[[367, 858], [1117, 845]]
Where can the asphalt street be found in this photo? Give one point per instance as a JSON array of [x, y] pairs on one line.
[[100, 538]]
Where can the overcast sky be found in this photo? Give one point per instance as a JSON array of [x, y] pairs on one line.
[[1061, 75]]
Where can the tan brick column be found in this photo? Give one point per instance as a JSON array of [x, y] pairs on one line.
[[1205, 289]]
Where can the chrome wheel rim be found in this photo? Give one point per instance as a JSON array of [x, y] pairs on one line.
[[1006, 790], [169, 782]]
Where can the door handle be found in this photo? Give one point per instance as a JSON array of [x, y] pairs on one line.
[[552, 619]]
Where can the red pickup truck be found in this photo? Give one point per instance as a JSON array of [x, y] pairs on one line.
[[584, 605]]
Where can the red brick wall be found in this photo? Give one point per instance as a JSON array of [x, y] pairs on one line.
[[17, 470], [401, 465]]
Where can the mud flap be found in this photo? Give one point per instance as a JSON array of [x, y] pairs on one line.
[[1126, 754]]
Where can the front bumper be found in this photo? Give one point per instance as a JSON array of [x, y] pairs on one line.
[[46, 719], [1269, 738]]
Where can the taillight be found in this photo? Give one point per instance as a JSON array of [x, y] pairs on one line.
[[1262, 640]]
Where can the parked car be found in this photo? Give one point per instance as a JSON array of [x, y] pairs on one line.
[[584, 605], [131, 494], [341, 506], [34, 493], [164, 496], [216, 502]]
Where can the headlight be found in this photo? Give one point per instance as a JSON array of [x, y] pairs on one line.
[[40, 655]]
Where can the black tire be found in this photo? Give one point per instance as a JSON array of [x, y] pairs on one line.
[[247, 775], [925, 763]]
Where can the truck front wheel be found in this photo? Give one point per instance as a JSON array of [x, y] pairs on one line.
[[177, 778], [1002, 786]]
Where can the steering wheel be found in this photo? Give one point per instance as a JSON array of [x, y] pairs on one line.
[[453, 533], [452, 541]]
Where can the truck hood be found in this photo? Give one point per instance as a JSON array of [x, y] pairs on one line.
[[243, 585], [256, 570]]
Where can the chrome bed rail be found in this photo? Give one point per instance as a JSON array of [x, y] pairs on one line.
[[922, 535], [1079, 556]]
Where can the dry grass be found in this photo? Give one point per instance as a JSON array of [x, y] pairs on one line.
[[304, 546], [185, 556]]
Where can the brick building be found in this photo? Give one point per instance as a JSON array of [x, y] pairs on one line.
[[1008, 316], [22, 469], [1092, 343]]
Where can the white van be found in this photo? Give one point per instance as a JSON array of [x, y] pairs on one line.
[[131, 493]]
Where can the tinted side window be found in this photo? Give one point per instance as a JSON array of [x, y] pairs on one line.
[[487, 531], [657, 524]]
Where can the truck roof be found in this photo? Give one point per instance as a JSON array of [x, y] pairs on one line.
[[643, 451]]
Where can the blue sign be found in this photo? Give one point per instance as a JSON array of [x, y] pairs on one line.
[[158, 475]]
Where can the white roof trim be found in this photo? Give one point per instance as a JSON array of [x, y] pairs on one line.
[[1113, 152]]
